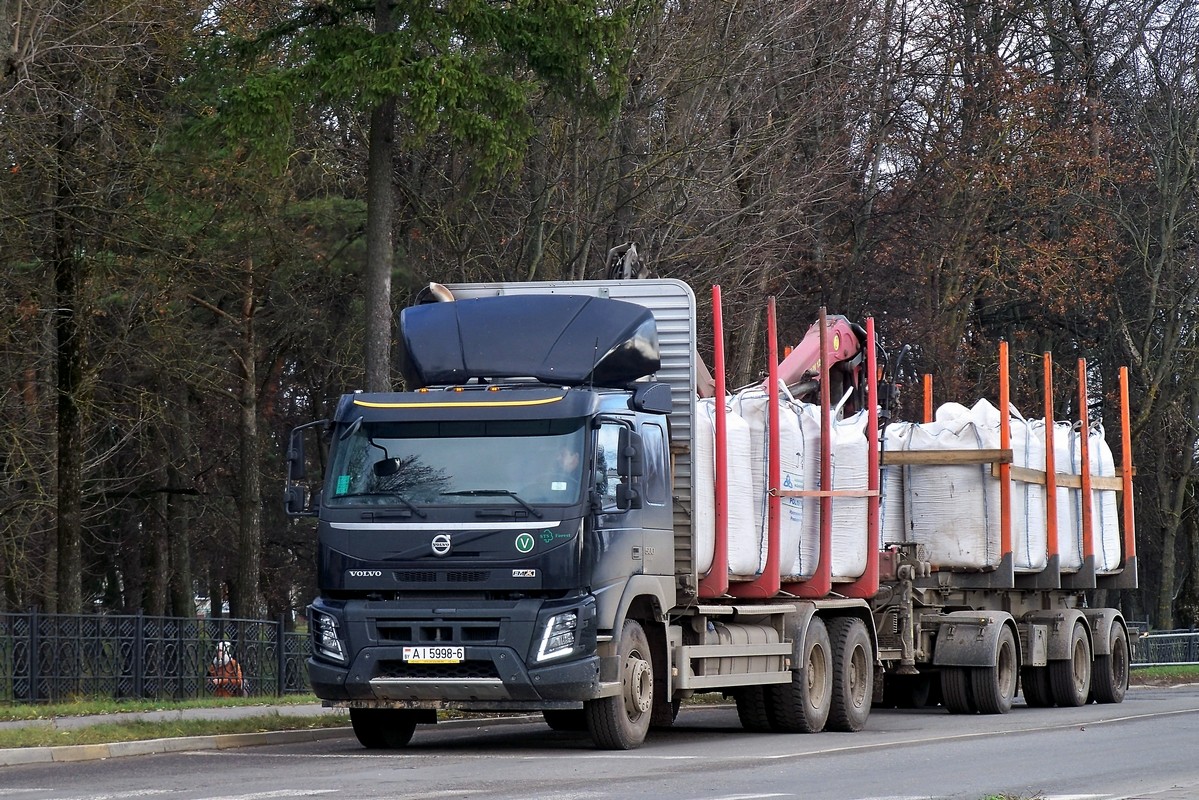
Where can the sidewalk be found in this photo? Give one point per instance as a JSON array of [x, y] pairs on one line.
[[87, 752]]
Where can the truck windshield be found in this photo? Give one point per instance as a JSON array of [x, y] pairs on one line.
[[410, 464]]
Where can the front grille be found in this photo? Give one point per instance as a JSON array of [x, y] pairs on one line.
[[465, 670], [439, 576], [427, 633]]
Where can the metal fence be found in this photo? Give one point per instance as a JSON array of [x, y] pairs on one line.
[[1166, 647], [50, 658]]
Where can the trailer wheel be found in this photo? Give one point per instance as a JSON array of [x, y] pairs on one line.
[[382, 728], [565, 719], [956, 692], [1034, 683], [621, 722], [1070, 678], [994, 688], [751, 709], [1109, 673], [802, 706], [853, 674]]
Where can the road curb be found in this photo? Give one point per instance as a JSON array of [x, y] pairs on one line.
[[91, 752]]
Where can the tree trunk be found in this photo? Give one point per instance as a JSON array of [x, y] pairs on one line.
[[179, 508], [245, 602], [380, 204], [68, 286]]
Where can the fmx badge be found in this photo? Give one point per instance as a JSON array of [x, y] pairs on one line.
[[525, 542]]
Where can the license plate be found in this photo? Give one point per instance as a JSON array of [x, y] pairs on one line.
[[434, 655]]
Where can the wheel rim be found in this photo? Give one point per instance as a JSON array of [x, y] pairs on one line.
[[817, 676], [1006, 671], [639, 685], [1082, 667], [1120, 661], [859, 677]]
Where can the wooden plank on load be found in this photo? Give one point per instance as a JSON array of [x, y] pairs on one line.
[[945, 457]]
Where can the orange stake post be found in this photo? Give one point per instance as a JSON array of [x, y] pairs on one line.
[[1005, 443], [1050, 463]]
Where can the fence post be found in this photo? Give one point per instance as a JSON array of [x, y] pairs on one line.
[[34, 647], [281, 653], [139, 644]]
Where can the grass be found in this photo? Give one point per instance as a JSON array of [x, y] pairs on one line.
[[83, 708], [1165, 675], [109, 733]]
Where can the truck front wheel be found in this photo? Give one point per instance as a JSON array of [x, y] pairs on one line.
[[621, 722], [382, 728]]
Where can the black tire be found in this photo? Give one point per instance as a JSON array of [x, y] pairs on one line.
[[908, 691], [752, 709], [1070, 678], [664, 713], [1109, 673], [994, 688], [565, 719], [1035, 685], [853, 675], [957, 695], [803, 705], [621, 722], [382, 728]]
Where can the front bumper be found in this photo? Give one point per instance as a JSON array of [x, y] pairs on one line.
[[498, 672]]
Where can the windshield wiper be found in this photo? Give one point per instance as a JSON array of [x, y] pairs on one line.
[[495, 493], [394, 495]]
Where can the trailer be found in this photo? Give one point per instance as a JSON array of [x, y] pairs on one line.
[[551, 519]]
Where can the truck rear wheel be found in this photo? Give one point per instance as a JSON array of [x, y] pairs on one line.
[[802, 706], [956, 692], [994, 688], [382, 728], [621, 722], [1109, 673], [752, 709], [853, 674], [1070, 678]]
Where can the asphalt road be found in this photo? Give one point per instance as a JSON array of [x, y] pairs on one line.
[[1147, 747]]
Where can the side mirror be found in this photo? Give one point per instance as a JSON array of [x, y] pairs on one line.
[[296, 501], [295, 455], [629, 460], [627, 497]]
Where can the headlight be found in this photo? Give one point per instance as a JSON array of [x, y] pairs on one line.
[[325, 638], [559, 636]]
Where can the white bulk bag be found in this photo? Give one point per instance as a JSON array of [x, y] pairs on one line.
[[952, 510], [890, 504], [850, 529], [1067, 460], [745, 548], [752, 405], [1105, 508]]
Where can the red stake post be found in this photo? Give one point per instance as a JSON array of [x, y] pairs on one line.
[[716, 582]]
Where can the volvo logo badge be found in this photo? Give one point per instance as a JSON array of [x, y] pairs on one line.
[[441, 544]]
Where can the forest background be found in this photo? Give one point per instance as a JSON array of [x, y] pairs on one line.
[[210, 210]]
